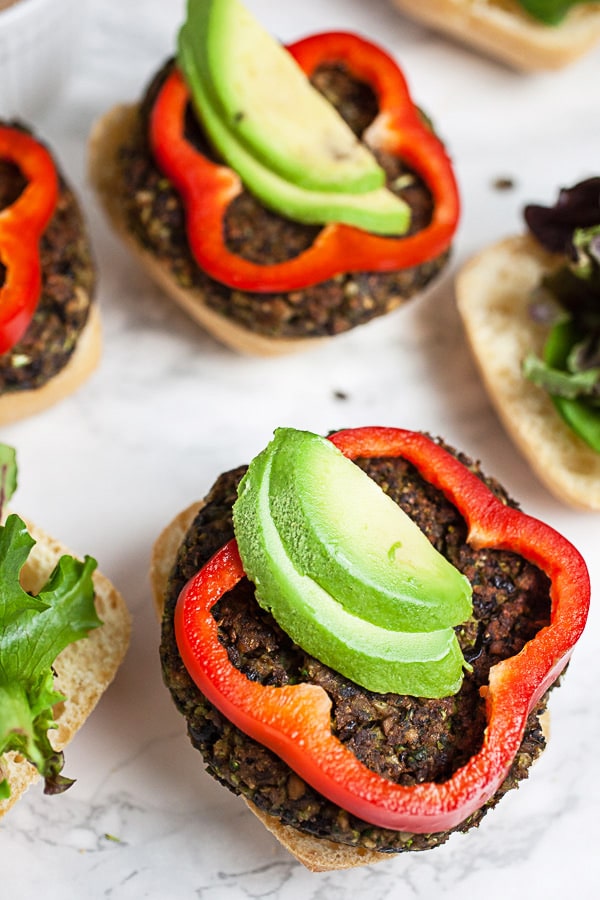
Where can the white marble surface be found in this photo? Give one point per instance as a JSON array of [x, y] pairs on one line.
[[169, 409]]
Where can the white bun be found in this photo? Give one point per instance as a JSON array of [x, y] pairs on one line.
[[493, 293], [316, 854], [109, 133], [16, 405], [503, 30], [83, 670]]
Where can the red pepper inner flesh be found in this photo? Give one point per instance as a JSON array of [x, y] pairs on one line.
[[294, 720], [21, 225], [208, 188]]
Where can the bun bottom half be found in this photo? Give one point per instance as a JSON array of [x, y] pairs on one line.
[[316, 854], [508, 34], [493, 293], [83, 670], [108, 135], [20, 404]]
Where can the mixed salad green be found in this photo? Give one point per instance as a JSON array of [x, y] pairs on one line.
[[569, 303]]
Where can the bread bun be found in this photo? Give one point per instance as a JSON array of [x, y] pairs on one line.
[[19, 404], [503, 30], [83, 670], [493, 292], [315, 854]]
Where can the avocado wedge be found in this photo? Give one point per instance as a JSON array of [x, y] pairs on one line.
[[425, 663], [263, 97], [342, 530], [378, 211]]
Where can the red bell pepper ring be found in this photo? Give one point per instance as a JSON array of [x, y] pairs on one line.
[[208, 188], [21, 226], [294, 720]]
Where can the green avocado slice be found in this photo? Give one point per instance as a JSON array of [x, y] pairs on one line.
[[342, 530], [419, 664], [268, 103], [378, 211]]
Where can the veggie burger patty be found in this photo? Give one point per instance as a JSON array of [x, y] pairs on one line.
[[406, 739], [155, 216]]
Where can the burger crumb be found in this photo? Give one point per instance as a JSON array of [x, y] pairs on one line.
[[503, 183]]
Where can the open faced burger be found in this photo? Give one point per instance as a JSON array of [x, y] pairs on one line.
[[361, 632], [280, 195], [50, 338]]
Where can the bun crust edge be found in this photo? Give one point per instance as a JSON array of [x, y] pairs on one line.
[[510, 35], [83, 670], [16, 405], [315, 854], [109, 133], [492, 292]]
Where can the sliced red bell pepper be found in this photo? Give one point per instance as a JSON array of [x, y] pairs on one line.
[[207, 188], [21, 226], [294, 720]]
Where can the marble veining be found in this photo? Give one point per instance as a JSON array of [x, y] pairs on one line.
[[169, 409]]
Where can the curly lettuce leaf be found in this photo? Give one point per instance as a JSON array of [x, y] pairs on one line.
[[34, 629], [550, 12]]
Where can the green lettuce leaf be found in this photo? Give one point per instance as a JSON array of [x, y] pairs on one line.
[[551, 12], [33, 631]]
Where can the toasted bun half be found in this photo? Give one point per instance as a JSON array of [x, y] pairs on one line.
[[493, 292], [83, 670], [110, 133], [315, 854], [19, 404], [503, 30]]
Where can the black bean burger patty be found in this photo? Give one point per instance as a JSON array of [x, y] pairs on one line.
[[68, 282], [155, 217], [406, 739]]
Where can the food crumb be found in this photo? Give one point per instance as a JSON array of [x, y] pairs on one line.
[[112, 837], [503, 183]]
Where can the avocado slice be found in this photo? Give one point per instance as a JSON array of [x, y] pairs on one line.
[[342, 530], [378, 211], [265, 100], [419, 664]]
